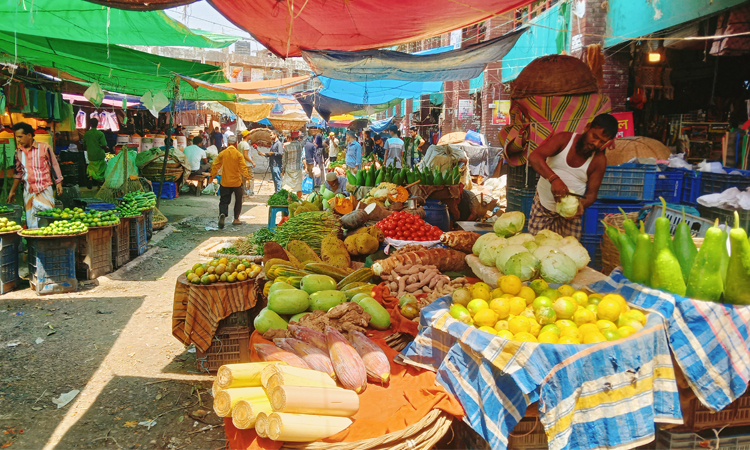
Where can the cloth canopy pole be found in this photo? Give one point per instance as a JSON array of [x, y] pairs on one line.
[[168, 140]]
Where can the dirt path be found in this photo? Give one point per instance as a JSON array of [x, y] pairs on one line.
[[112, 341]]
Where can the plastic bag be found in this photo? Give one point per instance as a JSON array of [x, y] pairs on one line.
[[307, 185], [210, 189], [95, 94]]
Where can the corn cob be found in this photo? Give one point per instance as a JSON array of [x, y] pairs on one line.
[[240, 375], [363, 274], [261, 424], [303, 427], [376, 362], [245, 412], [279, 375], [316, 358], [226, 399], [272, 353], [349, 367], [312, 337]]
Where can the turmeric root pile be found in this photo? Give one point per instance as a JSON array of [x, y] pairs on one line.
[[414, 279]]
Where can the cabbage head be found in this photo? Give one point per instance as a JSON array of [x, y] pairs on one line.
[[488, 254], [577, 253], [558, 268], [509, 224], [505, 253], [548, 234], [484, 240], [521, 239], [547, 242], [523, 265], [568, 206], [568, 240], [531, 245], [543, 250]]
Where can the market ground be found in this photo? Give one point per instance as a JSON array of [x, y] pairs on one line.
[[112, 341]]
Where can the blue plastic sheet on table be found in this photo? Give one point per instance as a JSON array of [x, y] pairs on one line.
[[709, 340], [608, 394]]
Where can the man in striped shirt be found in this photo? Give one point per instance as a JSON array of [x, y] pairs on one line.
[[37, 167]]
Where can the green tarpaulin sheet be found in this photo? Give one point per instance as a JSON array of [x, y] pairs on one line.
[[79, 20], [117, 69]]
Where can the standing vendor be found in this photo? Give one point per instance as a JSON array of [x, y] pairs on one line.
[[96, 149], [353, 152], [412, 154], [37, 168], [569, 163], [394, 148]]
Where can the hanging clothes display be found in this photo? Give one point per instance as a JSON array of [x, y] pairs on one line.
[[41, 104], [16, 96], [80, 119], [103, 125]]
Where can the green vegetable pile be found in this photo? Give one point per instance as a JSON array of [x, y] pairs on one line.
[[141, 201], [100, 218], [260, 237], [57, 213], [5, 209], [282, 198], [309, 227], [59, 228], [127, 211], [372, 177]]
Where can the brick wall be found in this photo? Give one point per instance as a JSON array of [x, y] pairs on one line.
[[453, 91], [493, 88], [616, 79]]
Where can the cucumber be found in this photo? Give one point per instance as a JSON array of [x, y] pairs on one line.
[[288, 301], [379, 317], [325, 300]]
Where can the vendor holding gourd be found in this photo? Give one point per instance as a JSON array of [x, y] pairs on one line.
[[571, 169]]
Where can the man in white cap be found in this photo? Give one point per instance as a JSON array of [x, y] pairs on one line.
[[335, 183]]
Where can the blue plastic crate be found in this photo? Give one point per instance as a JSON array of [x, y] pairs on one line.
[[148, 218], [138, 242], [669, 185], [712, 183], [52, 264], [592, 244], [628, 181], [169, 192], [9, 278], [691, 185], [593, 215], [521, 200]]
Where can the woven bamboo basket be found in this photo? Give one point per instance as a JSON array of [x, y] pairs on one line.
[[422, 435], [152, 171], [554, 75], [610, 254]]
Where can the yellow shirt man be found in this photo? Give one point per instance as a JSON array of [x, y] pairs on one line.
[[233, 173]]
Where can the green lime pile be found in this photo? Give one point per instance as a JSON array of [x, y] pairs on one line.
[[5, 209], [127, 211], [140, 201], [100, 218], [59, 228], [8, 225]]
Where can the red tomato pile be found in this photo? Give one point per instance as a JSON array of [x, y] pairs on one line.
[[407, 227]]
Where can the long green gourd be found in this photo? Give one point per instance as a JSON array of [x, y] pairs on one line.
[[642, 258], [631, 229], [627, 250], [666, 273], [737, 289], [613, 234], [706, 279], [724, 255], [684, 247]]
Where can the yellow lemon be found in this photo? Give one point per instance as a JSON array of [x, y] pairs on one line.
[[548, 337], [501, 325], [611, 335], [540, 302], [568, 340], [496, 293], [517, 305], [551, 328], [535, 328], [565, 290], [481, 291], [565, 307], [524, 337], [625, 331], [508, 296], [545, 315], [489, 330], [594, 299], [583, 316], [619, 299], [570, 332], [510, 284], [609, 309], [528, 294], [505, 334], [593, 338], [477, 305], [587, 328], [638, 315], [581, 298], [485, 318], [605, 325], [501, 306], [519, 324], [564, 323], [528, 313], [539, 286]]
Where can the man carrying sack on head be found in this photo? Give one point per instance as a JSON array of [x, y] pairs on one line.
[[37, 167]]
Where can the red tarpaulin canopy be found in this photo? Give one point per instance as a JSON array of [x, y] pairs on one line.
[[354, 25]]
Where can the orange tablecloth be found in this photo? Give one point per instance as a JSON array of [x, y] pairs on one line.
[[410, 395]]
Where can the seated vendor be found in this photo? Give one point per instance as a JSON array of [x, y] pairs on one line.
[[335, 183]]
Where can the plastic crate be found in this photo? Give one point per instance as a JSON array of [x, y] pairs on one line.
[[593, 215], [725, 216], [94, 256], [628, 181], [669, 185], [69, 173], [698, 225], [521, 200], [593, 245], [52, 264], [9, 247], [528, 434], [691, 185], [231, 344], [519, 179], [148, 220], [169, 192], [712, 183], [689, 441], [138, 242], [121, 243]]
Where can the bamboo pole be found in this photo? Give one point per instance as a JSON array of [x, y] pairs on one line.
[[314, 400]]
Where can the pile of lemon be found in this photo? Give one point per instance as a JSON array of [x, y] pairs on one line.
[[538, 313]]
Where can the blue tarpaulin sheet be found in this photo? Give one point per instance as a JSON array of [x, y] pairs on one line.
[[377, 91], [380, 125]]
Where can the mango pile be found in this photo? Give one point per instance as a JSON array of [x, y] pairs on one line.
[[538, 313], [222, 270], [7, 226]]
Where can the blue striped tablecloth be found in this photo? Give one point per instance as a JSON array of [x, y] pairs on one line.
[[606, 395], [709, 340]]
